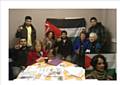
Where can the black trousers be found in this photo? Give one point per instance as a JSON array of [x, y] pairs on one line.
[[81, 60]]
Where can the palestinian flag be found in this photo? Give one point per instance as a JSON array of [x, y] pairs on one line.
[[72, 26]]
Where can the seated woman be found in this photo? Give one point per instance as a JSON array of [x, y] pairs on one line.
[[99, 69], [94, 46], [37, 53], [49, 40], [79, 47]]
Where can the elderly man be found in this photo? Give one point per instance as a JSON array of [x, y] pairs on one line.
[[94, 46]]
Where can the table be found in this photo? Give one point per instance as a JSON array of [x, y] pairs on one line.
[[44, 71]]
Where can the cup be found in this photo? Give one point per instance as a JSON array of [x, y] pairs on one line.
[[46, 59]]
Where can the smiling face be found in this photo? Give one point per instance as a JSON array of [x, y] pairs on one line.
[[23, 42], [92, 38], [93, 22], [100, 66], [82, 36], [64, 35], [50, 35], [28, 22]]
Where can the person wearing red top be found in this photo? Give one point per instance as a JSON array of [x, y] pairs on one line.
[[37, 53]]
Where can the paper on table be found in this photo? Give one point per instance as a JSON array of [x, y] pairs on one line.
[[29, 72], [26, 75], [31, 69], [76, 71], [46, 72], [56, 73]]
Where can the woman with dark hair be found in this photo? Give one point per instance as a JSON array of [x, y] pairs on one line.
[[49, 40], [99, 72], [36, 54]]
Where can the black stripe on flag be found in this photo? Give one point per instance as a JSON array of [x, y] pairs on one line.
[[68, 23]]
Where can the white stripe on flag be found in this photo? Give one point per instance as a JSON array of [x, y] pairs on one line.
[[73, 32]]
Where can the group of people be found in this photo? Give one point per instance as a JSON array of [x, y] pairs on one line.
[[28, 50]]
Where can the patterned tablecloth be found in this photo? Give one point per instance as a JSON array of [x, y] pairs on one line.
[[44, 71]]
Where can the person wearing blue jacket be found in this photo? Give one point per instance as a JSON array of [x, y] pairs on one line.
[[80, 46], [94, 46]]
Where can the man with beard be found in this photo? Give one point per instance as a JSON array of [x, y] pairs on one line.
[[64, 46]]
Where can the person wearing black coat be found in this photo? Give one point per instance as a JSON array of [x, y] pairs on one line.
[[27, 31], [64, 46]]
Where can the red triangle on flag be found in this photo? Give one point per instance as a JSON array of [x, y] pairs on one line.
[[50, 27], [87, 61]]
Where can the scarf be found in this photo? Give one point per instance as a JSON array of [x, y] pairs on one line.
[[99, 75]]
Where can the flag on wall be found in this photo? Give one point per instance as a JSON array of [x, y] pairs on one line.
[[72, 26]]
